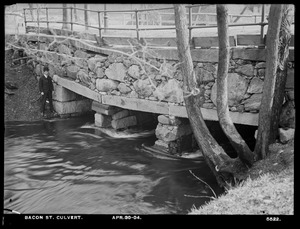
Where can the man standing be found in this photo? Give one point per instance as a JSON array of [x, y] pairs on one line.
[[46, 88]]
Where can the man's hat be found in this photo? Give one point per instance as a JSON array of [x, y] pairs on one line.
[[46, 69]]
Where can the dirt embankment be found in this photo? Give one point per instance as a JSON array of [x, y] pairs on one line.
[[20, 104]]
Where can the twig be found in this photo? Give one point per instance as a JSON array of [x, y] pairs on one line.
[[199, 196], [203, 182]]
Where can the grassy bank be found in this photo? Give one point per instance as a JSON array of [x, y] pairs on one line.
[[268, 190]]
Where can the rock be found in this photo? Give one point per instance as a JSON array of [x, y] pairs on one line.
[[106, 85], [81, 63], [208, 105], [169, 133], [143, 88], [291, 95], [83, 76], [252, 103], [133, 94], [102, 120], [81, 54], [116, 71], [55, 78], [100, 58], [52, 57], [134, 71], [64, 49], [100, 73], [261, 72], [286, 135], [72, 71], [287, 116], [92, 86], [290, 84], [124, 122], [210, 67], [11, 85], [247, 70], [255, 86], [120, 114], [203, 76], [170, 92], [237, 87], [123, 88], [163, 119], [260, 65], [167, 70], [104, 109], [38, 70], [92, 62]]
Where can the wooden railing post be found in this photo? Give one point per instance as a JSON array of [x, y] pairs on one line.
[[137, 25], [25, 20], [47, 18], [71, 15], [262, 41], [99, 21]]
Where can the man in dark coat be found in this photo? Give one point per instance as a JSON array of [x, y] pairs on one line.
[[46, 88]]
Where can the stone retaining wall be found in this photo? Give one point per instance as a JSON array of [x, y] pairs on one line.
[[120, 75]]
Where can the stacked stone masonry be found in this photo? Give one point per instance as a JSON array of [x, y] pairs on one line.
[[118, 74]]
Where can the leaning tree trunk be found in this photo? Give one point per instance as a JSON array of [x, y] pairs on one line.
[[267, 102], [240, 146], [217, 160], [281, 75], [65, 17]]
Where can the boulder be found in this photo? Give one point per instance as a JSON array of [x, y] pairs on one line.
[[63, 49], [143, 87], [106, 85], [83, 76], [123, 88], [287, 116], [81, 54], [252, 103], [167, 70], [134, 71], [203, 75], [286, 135], [102, 120], [255, 86], [120, 114], [72, 71], [247, 70], [237, 87], [116, 71], [124, 122], [171, 92], [163, 119], [169, 133], [100, 73], [81, 63], [290, 84]]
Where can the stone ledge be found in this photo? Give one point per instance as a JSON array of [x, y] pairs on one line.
[[136, 104], [79, 89]]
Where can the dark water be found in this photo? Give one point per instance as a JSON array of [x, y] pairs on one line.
[[68, 167]]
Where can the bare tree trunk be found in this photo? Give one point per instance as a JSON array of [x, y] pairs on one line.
[[240, 146], [65, 17], [267, 102], [214, 155], [284, 40], [86, 16]]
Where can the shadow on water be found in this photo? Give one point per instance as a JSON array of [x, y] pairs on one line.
[[60, 167]]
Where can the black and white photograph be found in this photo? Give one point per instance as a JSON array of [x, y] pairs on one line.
[[131, 111]]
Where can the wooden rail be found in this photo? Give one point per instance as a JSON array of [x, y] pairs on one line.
[[137, 20]]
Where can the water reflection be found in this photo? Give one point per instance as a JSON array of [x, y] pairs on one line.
[[58, 167]]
